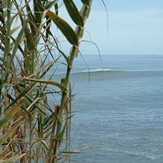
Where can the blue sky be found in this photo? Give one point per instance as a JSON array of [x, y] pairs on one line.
[[132, 27]]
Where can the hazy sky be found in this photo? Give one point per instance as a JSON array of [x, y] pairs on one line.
[[134, 27]]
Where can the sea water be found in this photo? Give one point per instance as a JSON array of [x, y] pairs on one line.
[[117, 108]]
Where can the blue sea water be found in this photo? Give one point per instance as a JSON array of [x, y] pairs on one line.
[[118, 109]]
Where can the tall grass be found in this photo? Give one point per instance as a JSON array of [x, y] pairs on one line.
[[32, 128]]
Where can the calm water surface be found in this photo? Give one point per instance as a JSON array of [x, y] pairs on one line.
[[118, 109]]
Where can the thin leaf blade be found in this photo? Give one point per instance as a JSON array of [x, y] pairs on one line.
[[7, 117], [73, 12], [13, 159], [8, 133], [64, 27], [47, 82]]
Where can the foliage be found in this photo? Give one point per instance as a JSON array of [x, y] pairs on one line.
[[32, 128]]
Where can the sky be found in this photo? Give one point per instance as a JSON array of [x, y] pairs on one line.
[[127, 27]]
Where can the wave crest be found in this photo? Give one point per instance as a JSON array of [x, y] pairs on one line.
[[98, 70]]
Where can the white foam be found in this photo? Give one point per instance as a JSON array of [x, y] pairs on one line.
[[152, 157], [98, 70]]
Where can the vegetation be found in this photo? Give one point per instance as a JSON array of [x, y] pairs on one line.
[[32, 128]]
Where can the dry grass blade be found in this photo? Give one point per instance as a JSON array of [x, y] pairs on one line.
[[13, 159], [47, 82], [7, 117], [76, 151], [9, 132], [31, 120]]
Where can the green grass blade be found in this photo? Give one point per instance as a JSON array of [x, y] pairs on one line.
[[49, 5], [60, 134], [56, 8], [66, 58], [15, 49], [64, 27], [86, 2], [8, 31], [31, 18], [73, 12]]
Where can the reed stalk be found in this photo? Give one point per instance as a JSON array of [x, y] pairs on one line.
[[32, 127], [6, 58]]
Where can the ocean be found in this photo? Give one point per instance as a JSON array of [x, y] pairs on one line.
[[117, 109]]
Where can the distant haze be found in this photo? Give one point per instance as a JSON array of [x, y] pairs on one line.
[[131, 27]]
